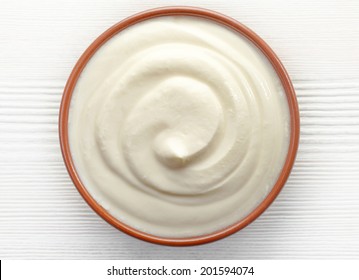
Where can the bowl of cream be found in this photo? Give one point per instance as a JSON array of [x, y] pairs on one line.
[[179, 126]]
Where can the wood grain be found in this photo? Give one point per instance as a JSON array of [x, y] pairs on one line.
[[43, 217]]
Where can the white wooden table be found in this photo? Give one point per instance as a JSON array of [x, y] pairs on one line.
[[42, 216]]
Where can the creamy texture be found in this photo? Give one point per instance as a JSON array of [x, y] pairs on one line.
[[179, 126]]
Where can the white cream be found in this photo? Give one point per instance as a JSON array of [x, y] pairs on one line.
[[179, 126]]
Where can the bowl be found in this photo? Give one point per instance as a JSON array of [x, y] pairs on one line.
[[222, 20]]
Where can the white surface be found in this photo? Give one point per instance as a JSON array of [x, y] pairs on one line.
[[43, 216]]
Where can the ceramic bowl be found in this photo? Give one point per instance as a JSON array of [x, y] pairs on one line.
[[220, 19]]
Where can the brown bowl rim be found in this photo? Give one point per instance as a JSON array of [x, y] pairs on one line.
[[221, 19]]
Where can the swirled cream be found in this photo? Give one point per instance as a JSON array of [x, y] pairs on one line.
[[179, 126]]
